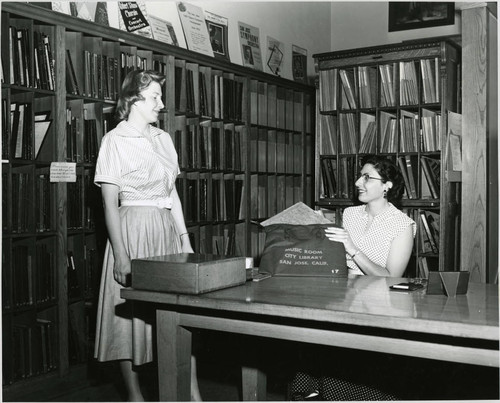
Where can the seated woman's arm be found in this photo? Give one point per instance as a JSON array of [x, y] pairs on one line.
[[398, 258], [399, 253]]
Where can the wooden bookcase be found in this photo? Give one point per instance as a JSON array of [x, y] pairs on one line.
[[245, 144], [393, 100]]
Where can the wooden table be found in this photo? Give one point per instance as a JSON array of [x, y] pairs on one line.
[[358, 313]]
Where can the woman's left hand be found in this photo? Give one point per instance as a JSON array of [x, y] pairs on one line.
[[186, 246], [341, 235]]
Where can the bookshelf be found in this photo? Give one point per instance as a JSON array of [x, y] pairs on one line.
[[393, 100], [245, 144]]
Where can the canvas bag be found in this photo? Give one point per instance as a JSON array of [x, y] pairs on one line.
[[302, 250]]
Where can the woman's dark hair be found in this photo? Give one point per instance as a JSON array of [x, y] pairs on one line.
[[135, 82], [388, 171]]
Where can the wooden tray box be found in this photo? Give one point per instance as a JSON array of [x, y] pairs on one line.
[[188, 273]]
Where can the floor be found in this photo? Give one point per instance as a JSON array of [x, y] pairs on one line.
[[220, 357], [211, 388], [218, 376]]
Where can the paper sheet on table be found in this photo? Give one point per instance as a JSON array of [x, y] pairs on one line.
[[299, 214]]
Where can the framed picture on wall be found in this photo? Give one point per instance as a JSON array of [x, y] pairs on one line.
[[420, 14]]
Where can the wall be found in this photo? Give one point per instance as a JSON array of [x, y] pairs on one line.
[[305, 24], [361, 24]]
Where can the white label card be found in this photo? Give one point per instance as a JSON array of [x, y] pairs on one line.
[[63, 172]]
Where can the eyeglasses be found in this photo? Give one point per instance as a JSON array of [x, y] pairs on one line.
[[367, 177]]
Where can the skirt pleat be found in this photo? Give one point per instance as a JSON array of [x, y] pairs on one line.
[[124, 330]]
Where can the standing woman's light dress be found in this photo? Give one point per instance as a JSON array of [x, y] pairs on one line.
[[145, 167]]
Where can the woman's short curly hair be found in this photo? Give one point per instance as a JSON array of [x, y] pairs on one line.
[[388, 171], [135, 82]]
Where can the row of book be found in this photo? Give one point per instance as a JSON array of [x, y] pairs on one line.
[[328, 87], [28, 130], [337, 179], [23, 220], [218, 239], [90, 150], [78, 342], [75, 208], [207, 93], [83, 273], [410, 138], [21, 129], [33, 349], [347, 133], [387, 85], [367, 91], [427, 239], [428, 225], [270, 194], [227, 97], [21, 196], [276, 107], [211, 197], [430, 169], [5, 131], [226, 198], [357, 88], [368, 131], [22, 284], [212, 147], [413, 136], [30, 64], [221, 240], [5, 204], [44, 215], [100, 76], [276, 151]]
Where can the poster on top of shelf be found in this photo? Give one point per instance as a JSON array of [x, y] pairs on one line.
[[61, 7], [299, 64], [250, 46], [195, 29], [96, 11], [217, 30], [275, 55], [134, 18], [163, 31]]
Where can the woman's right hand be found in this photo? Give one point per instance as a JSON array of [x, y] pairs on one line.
[[341, 235], [122, 270]]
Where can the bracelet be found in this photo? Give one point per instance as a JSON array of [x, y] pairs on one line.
[[354, 254], [184, 233]]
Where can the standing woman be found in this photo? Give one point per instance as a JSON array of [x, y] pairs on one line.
[[136, 170], [378, 238]]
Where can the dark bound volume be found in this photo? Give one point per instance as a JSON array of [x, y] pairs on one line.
[[71, 82]]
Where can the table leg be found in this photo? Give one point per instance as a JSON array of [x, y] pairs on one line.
[[174, 357], [254, 384], [253, 379]]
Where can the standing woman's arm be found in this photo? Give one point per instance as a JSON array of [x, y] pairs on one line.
[[122, 268], [178, 216]]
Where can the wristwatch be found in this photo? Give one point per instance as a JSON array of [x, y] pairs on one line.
[[354, 254]]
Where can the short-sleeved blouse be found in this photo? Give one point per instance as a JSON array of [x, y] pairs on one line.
[[374, 241], [144, 166]]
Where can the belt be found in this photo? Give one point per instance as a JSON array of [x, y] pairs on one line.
[[160, 203]]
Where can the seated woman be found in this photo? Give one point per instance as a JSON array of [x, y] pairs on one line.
[[378, 240]]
